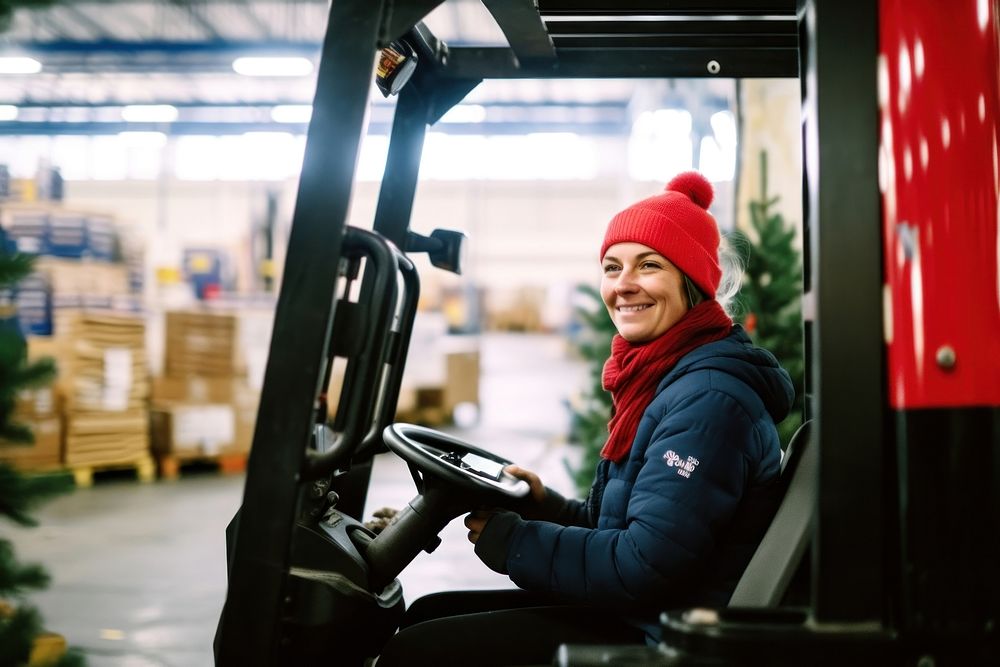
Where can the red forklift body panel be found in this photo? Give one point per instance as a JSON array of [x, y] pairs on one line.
[[939, 175]]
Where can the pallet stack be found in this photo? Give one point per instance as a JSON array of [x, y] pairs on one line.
[[104, 379], [203, 406]]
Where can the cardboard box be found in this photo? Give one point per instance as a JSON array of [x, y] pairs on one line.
[[202, 343], [461, 379], [197, 389], [197, 429], [203, 415], [38, 403], [246, 421]]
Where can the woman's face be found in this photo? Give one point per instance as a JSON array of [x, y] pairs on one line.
[[643, 291]]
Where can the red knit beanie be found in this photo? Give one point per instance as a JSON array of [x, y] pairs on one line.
[[677, 225]]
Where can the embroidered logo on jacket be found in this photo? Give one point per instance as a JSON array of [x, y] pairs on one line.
[[684, 467]]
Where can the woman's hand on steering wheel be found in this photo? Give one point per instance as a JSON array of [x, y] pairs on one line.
[[533, 505], [476, 521], [537, 488]]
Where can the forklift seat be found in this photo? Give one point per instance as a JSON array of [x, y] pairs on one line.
[[767, 576]]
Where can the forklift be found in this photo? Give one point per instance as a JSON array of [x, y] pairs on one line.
[[895, 496]]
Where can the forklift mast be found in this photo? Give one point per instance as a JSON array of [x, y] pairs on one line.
[[901, 117]]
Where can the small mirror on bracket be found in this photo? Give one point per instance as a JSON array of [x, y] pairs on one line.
[[445, 248]]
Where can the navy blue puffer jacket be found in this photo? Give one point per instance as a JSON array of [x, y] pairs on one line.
[[676, 523]]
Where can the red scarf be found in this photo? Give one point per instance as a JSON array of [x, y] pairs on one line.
[[633, 372]]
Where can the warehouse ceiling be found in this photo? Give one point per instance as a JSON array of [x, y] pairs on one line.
[[97, 57]]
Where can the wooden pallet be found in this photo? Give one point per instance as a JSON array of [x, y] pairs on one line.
[[83, 473], [171, 465]]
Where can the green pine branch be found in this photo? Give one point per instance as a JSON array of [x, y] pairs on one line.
[[17, 631], [770, 299], [589, 420], [14, 267], [15, 578], [20, 494], [16, 375]]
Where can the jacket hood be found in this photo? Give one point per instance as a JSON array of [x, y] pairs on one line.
[[736, 355]]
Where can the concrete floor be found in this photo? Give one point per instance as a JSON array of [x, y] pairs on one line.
[[138, 570]]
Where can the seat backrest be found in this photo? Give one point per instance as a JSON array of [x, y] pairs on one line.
[[773, 565]]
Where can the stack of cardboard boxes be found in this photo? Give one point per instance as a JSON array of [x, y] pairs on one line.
[[79, 263], [104, 380], [203, 406]]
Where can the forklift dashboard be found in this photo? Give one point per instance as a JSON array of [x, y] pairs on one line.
[[479, 465]]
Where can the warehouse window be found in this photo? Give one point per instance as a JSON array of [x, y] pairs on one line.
[[539, 156], [196, 158], [717, 153], [254, 156], [660, 145]]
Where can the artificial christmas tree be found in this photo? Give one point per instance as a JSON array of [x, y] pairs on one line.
[[770, 299], [589, 417], [20, 624]]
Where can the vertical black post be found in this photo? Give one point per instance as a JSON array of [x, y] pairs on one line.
[[402, 166], [392, 220], [249, 630], [841, 147], [423, 101]]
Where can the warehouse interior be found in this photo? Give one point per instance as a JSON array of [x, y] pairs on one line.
[[150, 155]]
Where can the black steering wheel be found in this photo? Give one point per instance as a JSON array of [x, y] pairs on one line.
[[457, 463]]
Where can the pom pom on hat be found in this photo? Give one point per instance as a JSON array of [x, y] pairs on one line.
[[676, 224], [695, 186]]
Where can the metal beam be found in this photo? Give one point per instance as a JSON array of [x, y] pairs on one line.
[[604, 42], [402, 16], [658, 8], [167, 47], [250, 630], [402, 166], [524, 30], [190, 10], [186, 57], [499, 63], [250, 11], [841, 149], [449, 92], [83, 19], [176, 129], [701, 27]]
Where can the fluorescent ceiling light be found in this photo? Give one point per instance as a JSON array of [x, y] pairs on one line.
[[19, 65], [292, 113], [8, 112], [465, 113], [149, 113], [273, 66]]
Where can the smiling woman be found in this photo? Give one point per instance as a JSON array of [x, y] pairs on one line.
[[643, 291], [687, 481]]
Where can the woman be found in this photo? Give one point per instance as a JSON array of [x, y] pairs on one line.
[[685, 486]]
